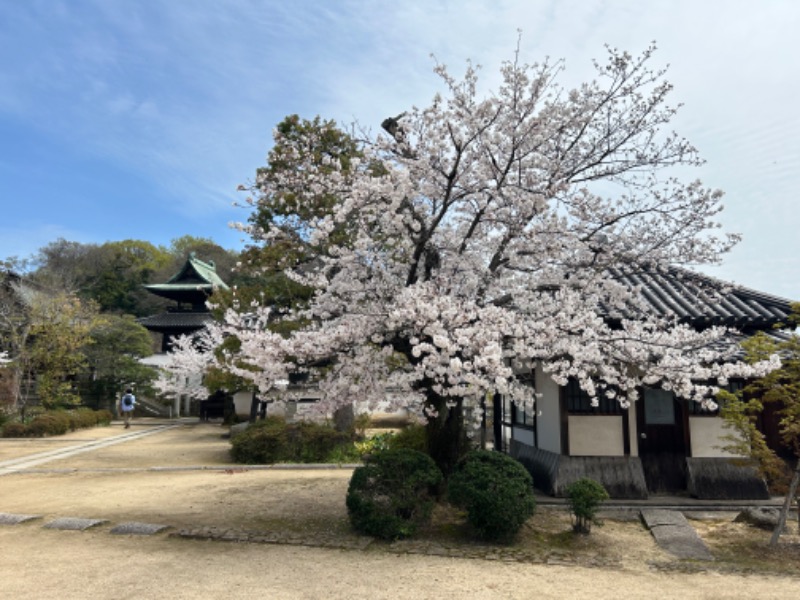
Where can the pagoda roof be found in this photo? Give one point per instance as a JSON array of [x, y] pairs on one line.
[[183, 321], [195, 282]]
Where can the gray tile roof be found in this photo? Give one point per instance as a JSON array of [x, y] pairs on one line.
[[701, 300]]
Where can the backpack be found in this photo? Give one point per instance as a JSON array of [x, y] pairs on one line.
[[127, 400]]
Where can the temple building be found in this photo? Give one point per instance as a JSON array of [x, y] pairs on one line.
[[662, 444], [189, 288]]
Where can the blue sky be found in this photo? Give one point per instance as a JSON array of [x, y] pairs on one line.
[[138, 119]]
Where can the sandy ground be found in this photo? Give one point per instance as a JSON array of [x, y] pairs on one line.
[[152, 480]]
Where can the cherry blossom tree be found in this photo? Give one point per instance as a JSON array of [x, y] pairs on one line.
[[485, 236]]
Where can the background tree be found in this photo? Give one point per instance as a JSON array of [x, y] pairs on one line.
[[481, 240], [16, 296], [780, 388], [49, 363], [113, 274], [285, 211], [113, 361]]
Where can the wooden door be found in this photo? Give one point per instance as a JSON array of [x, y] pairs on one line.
[[662, 441]]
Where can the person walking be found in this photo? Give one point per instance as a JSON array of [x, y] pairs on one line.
[[126, 405]]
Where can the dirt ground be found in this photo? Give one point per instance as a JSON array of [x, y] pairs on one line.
[[165, 478]]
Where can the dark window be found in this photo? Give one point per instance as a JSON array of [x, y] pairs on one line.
[[524, 418], [579, 402]]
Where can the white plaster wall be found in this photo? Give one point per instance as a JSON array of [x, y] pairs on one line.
[[596, 435], [548, 419], [706, 435], [241, 403], [633, 428]]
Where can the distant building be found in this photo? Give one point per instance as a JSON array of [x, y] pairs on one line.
[[190, 288]]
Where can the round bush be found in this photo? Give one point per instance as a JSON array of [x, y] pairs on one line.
[[393, 494], [496, 491]]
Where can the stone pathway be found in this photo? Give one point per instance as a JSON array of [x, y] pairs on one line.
[[674, 534]]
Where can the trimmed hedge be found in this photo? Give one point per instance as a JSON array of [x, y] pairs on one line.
[[274, 440], [14, 429], [496, 491], [393, 494], [57, 422]]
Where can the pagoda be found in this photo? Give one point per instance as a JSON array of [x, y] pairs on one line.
[[190, 288]]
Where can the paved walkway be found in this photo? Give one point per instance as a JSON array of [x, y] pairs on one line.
[[22, 463]]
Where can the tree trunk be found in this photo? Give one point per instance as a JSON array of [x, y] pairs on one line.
[[344, 418], [787, 503], [447, 440]]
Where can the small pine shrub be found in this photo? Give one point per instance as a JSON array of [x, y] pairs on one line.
[[15, 429], [584, 498], [393, 494], [495, 490]]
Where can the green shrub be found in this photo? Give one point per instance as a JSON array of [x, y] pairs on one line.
[[274, 440], [15, 429], [345, 453], [376, 443], [82, 418], [393, 494], [49, 423], [103, 417], [496, 491], [584, 498], [412, 437]]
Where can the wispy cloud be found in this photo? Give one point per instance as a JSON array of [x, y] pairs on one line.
[[182, 95]]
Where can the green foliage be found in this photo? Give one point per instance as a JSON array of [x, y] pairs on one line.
[[413, 437], [496, 491], [780, 388], [274, 441], [113, 357], [392, 495], [53, 353], [748, 441], [376, 443], [584, 497]]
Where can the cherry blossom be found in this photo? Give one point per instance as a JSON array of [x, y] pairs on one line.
[[489, 242]]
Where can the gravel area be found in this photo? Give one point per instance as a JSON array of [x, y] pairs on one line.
[[238, 532]]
